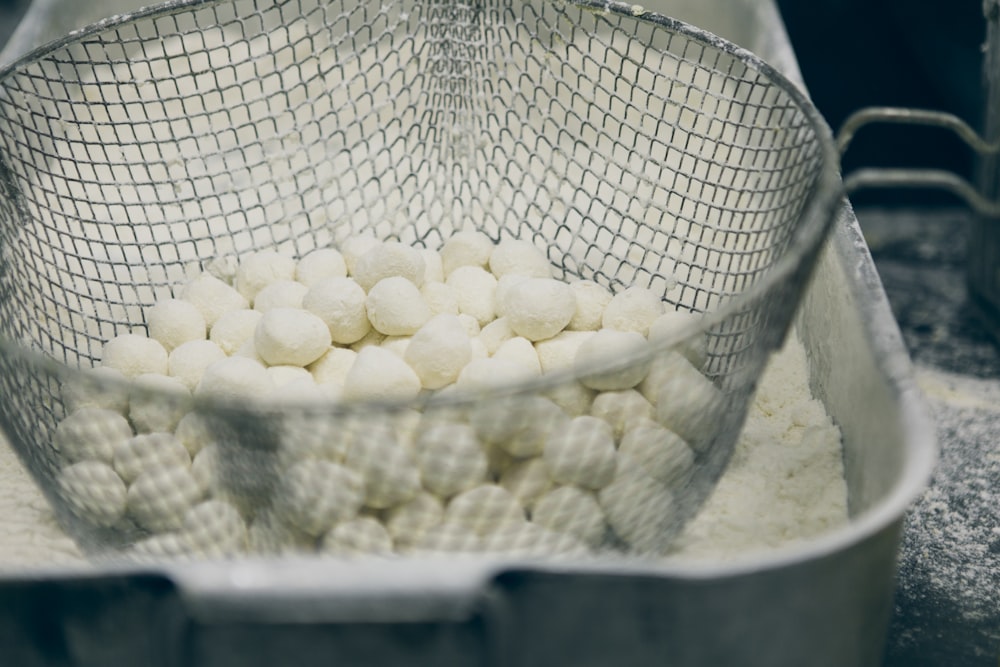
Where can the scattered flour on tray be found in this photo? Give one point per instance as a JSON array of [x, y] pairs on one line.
[[785, 483]]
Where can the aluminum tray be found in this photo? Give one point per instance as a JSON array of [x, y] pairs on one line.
[[826, 602]]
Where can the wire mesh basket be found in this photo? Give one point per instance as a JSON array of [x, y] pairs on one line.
[[631, 151]]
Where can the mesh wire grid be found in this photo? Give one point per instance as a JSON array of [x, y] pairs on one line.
[[630, 148]]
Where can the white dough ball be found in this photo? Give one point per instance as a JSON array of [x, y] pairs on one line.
[[407, 522], [439, 351], [599, 360], [504, 285], [315, 495], [379, 374], [134, 355], [466, 248], [517, 422], [529, 540], [361, 536], [440, 298], [666, 326], [640, 510], [494, 334], [291, 336], [94, 492], [572, 397], [333, 366], [559, 352], [146, 452], [689, 404], [662, 453], [320, 264], [527, 479], [450, 458], [187, 362], [249, 351], [175, 321], [621, 408], [582, 453], [234, 328], [195, 432], [161, 547], [372, 338], [391, 259], [387, 468], [521, 352], [591, 300], [483, 508], [572, 510], [447, 538], [269, 534], [159, 498], [475, 292], [397, 344], [470, 324], [280, 294], [489, 373], [215, 529], [539, 308], [395, 307], [353, 247], [633, 309], [90, 434], [98, 387], [235, 379], [282, 376], [434, 269], [518, 256], [213, 297], [258, 270], [158, 402]]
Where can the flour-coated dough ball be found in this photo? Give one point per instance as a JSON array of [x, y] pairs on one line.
[[527, 479], [235, 379], [361, 536], [388, 260], [280, 294], [407, 522], [449, 538], [439, 351], [663, 365], [175, 321], [572, 397], [666, 326], [495, 334], [260, 269], [572, 510], [187, 362], [90, 434], [633, 309], [559, 352], [223, 267], [148, 451], [387, 467], [159, 498], [157, 402], [689, 404], [521, 352], [353, 247], [291, 336], [483, 508], [195, 432], [395, 307], [234, 328], [315, 495], [249, 351], [538, 420], [333, 366], [161, 547], [621, 408], [440, 298], [214, 529], [98, 387], [268, 534], [284, 375], [379, 374], [539, 308], [372, 338], [582, 453], [530, 540], [521, 257], [320, 264], [591, 300], [433, 268], [485, 374], [205, 469], [93, 491], [504, 286], [599, 360], [640, 510], [466, 248], [213, 297], [503, 418], [475, 291], [134, 355], [662, 453], [450, 458]]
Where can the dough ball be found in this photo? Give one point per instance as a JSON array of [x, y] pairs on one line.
[[440, 298], [157, 402], [148, 452], [582, 453], [504, 285], [527, 479], [355, 246], [633, 309], [572, 397], [195, 432], [396, 308], [99, 387], [90, 434], [434, 269], [387, 468], [235, 379], [291, 336], [134, 355], [268, 534], [280, 294], [450, 458], [282, 376], [689, 404], [391, 259], [361, 536], [260, 269], [539, 308], [320, 264], [447, 538], [591, 300], [174, 321], [475, 291], [213, 297], [559, 352], [495, 334], [315, 495], [214, 529], [486, 374], [379, 374], [600, 358], [162, 547], [621, 408], [333, 366], [660, 452], [406, 523], [93, 492], [159, 498], [188, 361], [640, 510], [521, 257], [466, 248], [537, 420], [483, 508], [234, 328], [520, 352], [666, 327], [439, 351], [572, 510], [529, 540]]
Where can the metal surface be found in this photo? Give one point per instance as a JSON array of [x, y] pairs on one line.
[[821, 603]]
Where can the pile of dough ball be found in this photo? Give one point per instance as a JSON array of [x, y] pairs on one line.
[[590, 463]]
